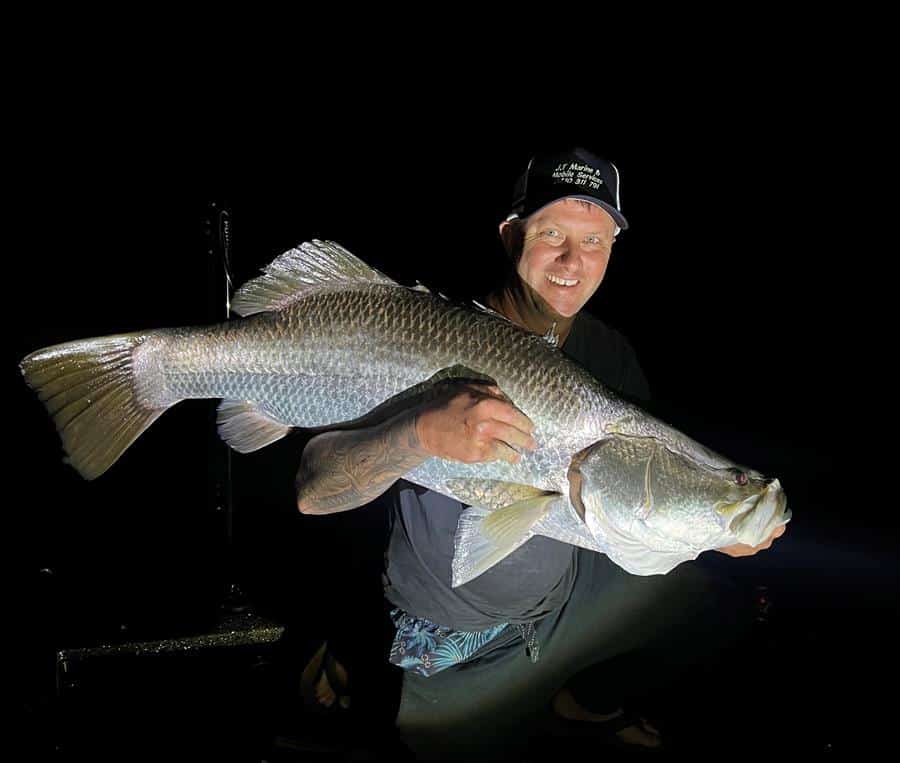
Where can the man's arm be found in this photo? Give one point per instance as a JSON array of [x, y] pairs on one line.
[[344, 470], [465, 422]]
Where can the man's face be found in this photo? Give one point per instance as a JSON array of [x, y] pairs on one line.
[[565, 253]]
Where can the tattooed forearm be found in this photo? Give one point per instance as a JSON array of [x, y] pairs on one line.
[[344, 470]]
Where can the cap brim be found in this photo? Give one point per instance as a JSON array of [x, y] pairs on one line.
[[614, 213]]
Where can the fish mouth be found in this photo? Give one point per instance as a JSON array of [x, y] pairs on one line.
[[759, 515]]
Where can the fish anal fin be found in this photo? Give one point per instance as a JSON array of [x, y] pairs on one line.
[[246, 427]]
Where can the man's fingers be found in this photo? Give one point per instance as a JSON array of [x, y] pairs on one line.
[[508, 414], [486, 388], [514, 417], [502, 452], [507, 410], [515, 438]]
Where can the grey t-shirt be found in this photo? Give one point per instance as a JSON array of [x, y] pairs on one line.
[[536, 578]]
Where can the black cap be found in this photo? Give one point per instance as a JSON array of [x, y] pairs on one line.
[[572, 174]]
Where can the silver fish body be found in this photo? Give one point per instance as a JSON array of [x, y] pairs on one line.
[[327, 340]]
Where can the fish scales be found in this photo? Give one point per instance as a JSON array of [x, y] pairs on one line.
[[280, 359]]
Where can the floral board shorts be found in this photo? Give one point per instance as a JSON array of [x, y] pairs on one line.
[[425, 648]]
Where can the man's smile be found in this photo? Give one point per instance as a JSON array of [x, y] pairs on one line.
[[561, 281]]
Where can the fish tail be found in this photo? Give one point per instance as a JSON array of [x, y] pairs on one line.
[[95, 390]]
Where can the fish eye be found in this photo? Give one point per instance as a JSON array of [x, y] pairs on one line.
[[741, 479]]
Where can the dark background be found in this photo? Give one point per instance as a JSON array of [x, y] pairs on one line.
[[732, 285]]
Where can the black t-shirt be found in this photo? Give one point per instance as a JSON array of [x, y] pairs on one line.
[[537, 577]]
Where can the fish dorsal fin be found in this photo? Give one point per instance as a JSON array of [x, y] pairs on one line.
[[246, 427], [551, 337], [489, 310], [299, 272]]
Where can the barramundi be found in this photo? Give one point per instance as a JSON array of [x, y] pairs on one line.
[[325, 341]]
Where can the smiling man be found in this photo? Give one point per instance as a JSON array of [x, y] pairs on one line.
[[560, 235], [567, 249], [561, 232], [546, 632]]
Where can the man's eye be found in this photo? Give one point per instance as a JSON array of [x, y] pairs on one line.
[[597, 243], [552, 233]]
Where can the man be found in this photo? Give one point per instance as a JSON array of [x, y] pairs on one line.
[[550, 612]]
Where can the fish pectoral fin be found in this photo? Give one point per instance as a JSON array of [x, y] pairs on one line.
[[504, 526], [246, 427], [484, 540]]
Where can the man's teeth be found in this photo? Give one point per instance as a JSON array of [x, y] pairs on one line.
[[561, 281]]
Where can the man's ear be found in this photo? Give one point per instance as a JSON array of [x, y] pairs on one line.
[[512, 233]]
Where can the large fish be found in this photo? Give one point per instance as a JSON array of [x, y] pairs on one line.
[[327, 340]]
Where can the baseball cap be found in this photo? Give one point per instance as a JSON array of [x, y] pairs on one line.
[[572, 174]]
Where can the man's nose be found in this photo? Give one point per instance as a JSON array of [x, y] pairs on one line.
[[567, 251]]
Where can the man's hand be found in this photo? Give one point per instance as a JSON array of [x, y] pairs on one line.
[[472, 422], [740, 549]]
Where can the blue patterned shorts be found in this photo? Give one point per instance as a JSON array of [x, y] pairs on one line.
[[425, 648]]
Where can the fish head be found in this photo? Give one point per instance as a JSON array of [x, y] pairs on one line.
[[637, 490]]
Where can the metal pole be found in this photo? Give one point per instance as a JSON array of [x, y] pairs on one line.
[[219, 228]]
